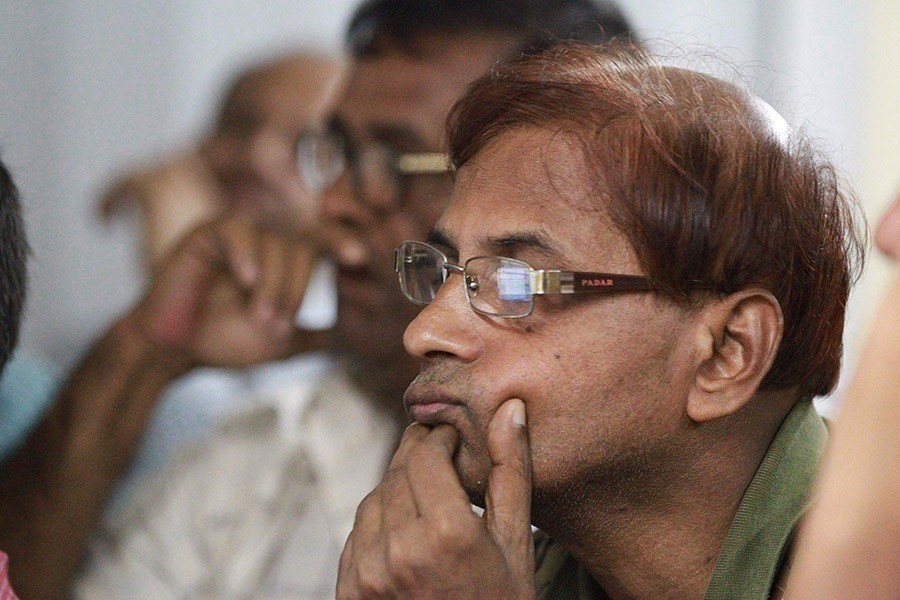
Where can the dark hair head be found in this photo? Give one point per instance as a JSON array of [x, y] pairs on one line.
[[379, 25], [13, 251], [705, 181]]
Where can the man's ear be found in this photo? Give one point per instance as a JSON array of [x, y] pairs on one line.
[[742, 335]]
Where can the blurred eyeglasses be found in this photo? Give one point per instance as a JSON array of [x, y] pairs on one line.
[[497, 286], [378, 171]]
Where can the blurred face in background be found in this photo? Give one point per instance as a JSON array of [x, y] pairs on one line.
[[391, 114], [252, 151]]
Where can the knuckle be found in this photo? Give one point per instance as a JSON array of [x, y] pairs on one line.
[[400, 556], [454, 536], [363, 574], [405, 563], [373, 582], [368, 504]]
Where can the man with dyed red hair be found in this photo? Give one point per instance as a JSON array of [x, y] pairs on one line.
[[636, 291]]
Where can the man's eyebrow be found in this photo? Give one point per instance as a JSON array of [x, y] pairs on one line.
[[401, 137], [520, 240], [436, 237], [507, 244]]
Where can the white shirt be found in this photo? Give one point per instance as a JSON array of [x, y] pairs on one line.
[[261, 510], [191, 408]]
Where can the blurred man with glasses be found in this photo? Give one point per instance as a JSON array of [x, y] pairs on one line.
[[262, 510]]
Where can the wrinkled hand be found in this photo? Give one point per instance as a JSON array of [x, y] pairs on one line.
[[228, 293], [415, 535]]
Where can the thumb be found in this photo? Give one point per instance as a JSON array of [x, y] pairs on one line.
[[508, 499]]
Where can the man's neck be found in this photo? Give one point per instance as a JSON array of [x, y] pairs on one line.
[[662, 539], [669, 552]]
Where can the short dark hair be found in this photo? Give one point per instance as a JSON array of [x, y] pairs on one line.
[[13, 252], [400, 24], [692, 171]]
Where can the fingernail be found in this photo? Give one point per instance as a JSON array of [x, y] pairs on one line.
[[518, 413]]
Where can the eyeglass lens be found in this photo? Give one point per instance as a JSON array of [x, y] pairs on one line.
[[321, 159], [495, 286], [503, 286], [421, 272]]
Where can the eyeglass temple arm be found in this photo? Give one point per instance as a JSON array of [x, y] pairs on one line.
[[424, 163], [577, 282]]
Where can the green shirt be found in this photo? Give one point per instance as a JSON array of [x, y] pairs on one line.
[[755, 545]]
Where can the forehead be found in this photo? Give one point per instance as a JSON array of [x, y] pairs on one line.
[[295, 91], [533, 180], [414, 91]]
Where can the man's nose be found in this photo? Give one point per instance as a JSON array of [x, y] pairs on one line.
[[341, 205], [447, 327]]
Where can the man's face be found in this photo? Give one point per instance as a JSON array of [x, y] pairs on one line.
[[252, 150], [399, 102], [603, 377]]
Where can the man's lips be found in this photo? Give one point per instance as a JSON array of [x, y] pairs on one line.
[[430, 407]]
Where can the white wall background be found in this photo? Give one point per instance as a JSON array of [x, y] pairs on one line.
[[89, 87]]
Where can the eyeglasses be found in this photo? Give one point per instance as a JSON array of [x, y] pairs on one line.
[[497, 286], [377, 169]]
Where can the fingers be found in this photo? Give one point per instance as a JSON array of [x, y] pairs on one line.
[[416, 536], [423, 476], [301, 266], [362, 563], [237, 241], [409, 442], [400, 499], [177, 290], [433, 479], [508, 501], [392, 539], [272, 267], [268, 303]]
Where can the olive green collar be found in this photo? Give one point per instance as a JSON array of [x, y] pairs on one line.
[[754, 547]]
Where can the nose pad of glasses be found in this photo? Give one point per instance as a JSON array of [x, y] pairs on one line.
[[471, 284], [447, 269]]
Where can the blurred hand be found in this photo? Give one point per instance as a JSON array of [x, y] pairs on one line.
[[228, 293], [415, 535]]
